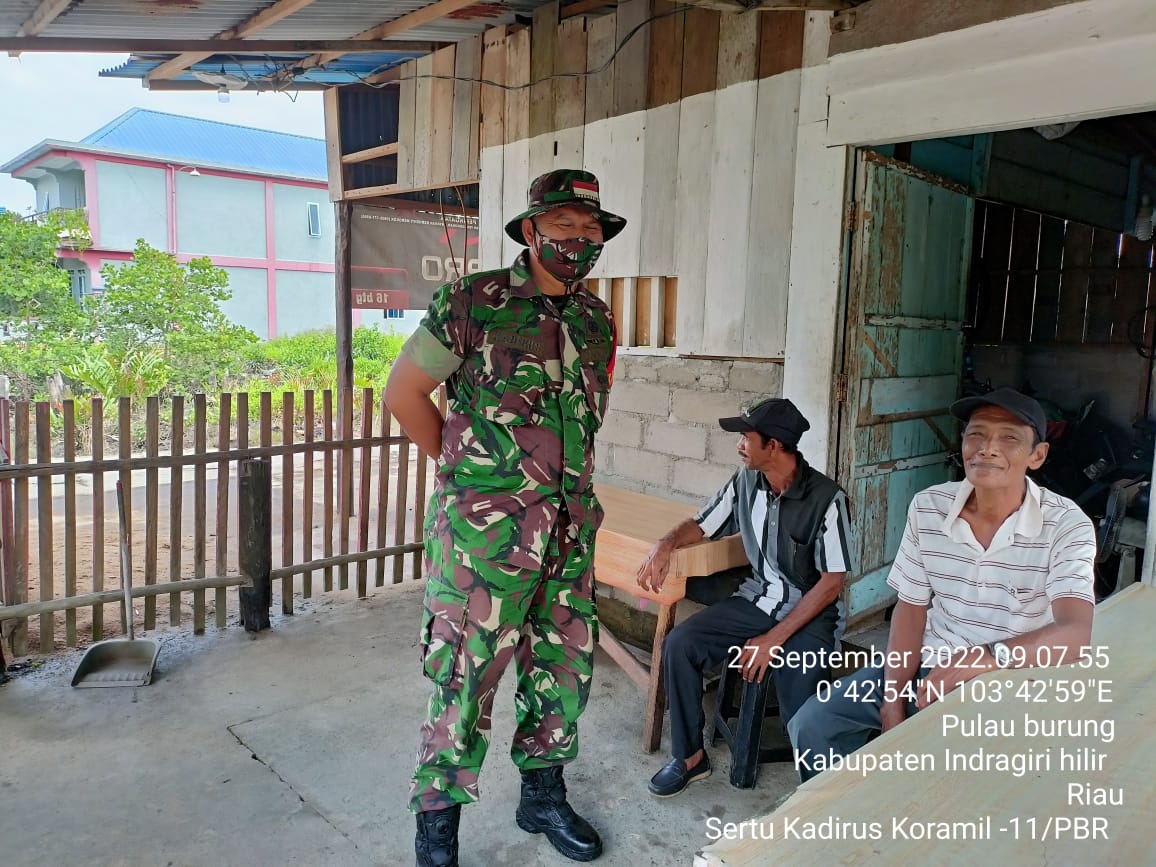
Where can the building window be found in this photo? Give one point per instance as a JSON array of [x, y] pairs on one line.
[[395, 314], [314, 219], [79, 284]]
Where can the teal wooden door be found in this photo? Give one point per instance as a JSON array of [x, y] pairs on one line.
[[902, 357]]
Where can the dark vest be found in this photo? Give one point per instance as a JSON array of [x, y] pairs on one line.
[[801, 510]]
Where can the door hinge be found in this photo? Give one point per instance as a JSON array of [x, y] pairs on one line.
[[851, 217], [841, 388]]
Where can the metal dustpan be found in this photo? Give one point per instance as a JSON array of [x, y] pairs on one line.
[[119, 661]]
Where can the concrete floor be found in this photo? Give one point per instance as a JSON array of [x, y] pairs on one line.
[[296, 748]]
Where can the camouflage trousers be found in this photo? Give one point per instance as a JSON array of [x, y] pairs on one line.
[[481, 612]]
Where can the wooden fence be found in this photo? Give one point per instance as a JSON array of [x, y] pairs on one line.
[[347, 492]]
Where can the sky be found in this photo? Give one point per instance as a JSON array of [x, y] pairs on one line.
[[60, 96]]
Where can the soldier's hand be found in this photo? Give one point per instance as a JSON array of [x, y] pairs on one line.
[[652, 573]]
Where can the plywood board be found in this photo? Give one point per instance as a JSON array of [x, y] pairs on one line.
[[732, 169], [992, 279], [491, 208], [515, 183], [780, 42], [406, 125], [570, 93], [631, 65], [817, 238], [738, 49], [1015, 801], [659, 192], [600, 85], [772, 212], [924, 88], [518, 73], [666, 40], [1021, 287], [423, 122], [442, 110], [493, 98], [568, 147], [1102, 291], [1132, 289], [696, 125], [1048, 280], [614, 150], [700, 52], [1074, 283], [467, 65], [543, 47], [541, 153]]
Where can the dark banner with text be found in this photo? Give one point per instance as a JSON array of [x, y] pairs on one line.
[[400, 255]]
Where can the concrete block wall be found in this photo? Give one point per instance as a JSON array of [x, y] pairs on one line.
[[661, 433]]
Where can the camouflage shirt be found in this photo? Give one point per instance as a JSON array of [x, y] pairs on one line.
[[528, 377]]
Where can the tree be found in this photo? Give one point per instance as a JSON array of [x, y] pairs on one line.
[[43, 327], [155, 303]]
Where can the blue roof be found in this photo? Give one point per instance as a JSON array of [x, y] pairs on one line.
[[207, 142]]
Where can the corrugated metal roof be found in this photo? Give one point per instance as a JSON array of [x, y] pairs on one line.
[[202, 19], [258, 70], [205, 142], [153, 19], [13, 13]]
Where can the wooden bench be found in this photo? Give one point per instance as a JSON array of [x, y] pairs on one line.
[[1017, 804], [633, 523]]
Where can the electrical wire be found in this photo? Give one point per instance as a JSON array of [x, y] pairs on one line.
[[364, 79]]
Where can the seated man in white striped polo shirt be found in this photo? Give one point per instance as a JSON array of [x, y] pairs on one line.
[[993, 572]]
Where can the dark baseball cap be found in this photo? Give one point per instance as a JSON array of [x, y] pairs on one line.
[[775, 417], [1025, 408]]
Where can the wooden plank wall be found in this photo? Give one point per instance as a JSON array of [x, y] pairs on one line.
[[708, 216], [1042, 280], [439, 126]]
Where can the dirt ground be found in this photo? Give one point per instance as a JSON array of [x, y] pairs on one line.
[[162, 616]]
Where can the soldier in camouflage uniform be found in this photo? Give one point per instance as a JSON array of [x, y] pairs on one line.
[[527, 355]]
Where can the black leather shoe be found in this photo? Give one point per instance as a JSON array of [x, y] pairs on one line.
[[543, 810], [673, 778], [437, 837]]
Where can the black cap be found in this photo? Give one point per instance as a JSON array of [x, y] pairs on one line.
[[775, 417], [1025, 408]]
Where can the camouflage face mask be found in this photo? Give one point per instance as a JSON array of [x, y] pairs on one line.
[[568, 261]]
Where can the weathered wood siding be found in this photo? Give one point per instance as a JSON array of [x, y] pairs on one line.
[[691, 130]]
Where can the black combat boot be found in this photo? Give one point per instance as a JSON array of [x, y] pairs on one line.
[[543, 810], [437, 837]]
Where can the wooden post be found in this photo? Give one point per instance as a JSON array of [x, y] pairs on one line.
[[344, 296], [344, 326], [7, 525], [255, 541]]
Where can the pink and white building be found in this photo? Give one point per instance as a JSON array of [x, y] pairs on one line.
[[254, 201]]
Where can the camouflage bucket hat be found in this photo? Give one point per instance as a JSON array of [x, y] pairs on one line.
[[565, 187]]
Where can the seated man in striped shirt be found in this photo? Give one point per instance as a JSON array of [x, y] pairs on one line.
[[993, 572], [793, 522]]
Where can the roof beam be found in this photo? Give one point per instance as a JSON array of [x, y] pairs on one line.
[[47, 12], [184, 85], [267, 17], [208, 47], [397, 26], [44, 14]]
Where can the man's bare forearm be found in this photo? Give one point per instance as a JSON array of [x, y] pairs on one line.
[[1058, 643], [904, 646], [681, 535]]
